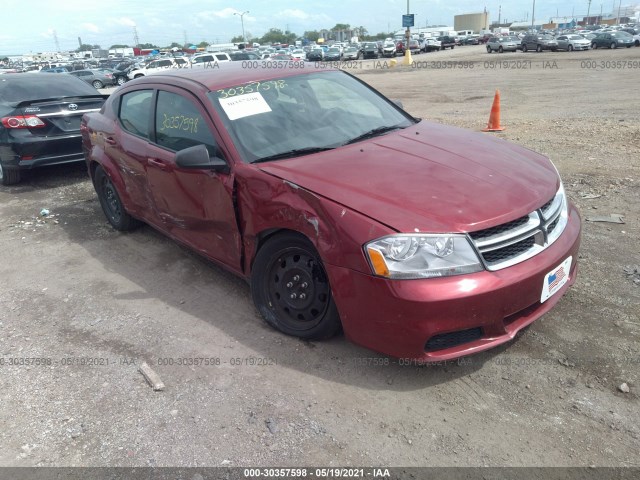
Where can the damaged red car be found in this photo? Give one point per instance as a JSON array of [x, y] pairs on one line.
[[343, 211]]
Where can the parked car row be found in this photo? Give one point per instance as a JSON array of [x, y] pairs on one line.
[[571, 41]]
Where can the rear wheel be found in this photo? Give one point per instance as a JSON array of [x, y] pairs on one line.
[[9, 177], [613, 45], [111, 204], [97, 84], [121, 80], [291, 290]]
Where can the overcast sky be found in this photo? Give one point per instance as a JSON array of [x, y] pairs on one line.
[[29, 26]]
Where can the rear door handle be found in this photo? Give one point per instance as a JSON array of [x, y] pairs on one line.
[[157, 163]]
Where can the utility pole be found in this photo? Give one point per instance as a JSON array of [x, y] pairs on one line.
[[408, 32], [499, 14], [588, 11], [55, 39], [618, 20]]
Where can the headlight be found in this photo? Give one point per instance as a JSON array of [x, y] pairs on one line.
[[412, 256], [562, 218]]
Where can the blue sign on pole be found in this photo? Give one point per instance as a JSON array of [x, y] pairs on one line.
[[407, 20]]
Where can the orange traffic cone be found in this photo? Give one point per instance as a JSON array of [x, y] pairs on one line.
[[494, 118]]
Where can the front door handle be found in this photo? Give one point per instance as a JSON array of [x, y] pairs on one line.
[[157, 163]]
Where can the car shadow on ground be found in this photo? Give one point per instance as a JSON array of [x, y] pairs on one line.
[[185, 282]]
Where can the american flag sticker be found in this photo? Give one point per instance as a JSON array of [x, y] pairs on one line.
[[555, 279]]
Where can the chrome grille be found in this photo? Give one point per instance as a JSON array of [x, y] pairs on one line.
[[515, 241]]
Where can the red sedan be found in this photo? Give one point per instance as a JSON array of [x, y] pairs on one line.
[[343, 211]]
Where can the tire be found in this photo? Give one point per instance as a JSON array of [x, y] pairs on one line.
[[121, 80], [452, 47], [594, 46], [287, 267], [489, 49], [613, 45], [570, 48], [524, 47], [9, 177], [637, 43], [111, 204], [97, 84], [500, 49], [539, 48]]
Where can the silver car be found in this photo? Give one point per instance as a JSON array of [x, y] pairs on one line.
[[503, 44], [572, 42], [351, 53], [96, 78]]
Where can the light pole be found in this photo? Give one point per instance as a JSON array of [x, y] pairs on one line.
[[244, 40], [533, 14], [588, 12]]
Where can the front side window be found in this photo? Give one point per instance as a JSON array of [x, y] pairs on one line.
[[135, 109], [179, 124]]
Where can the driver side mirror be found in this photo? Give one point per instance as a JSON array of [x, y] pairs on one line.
[[197, 157]]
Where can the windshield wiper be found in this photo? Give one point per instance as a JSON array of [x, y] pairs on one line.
[[292, 153], [373, 133]]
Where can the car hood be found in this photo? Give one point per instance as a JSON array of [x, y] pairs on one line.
[[428, 178]]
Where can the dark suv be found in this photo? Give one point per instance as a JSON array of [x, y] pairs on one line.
[[370, 50], [539, 42]]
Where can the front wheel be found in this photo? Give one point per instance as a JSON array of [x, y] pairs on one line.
[[524, 48], [539, 48], [121, 80], [488, 49], [291, 290], [97, 84], [111, 204], [594, 45], [500, 49], [570, 48]]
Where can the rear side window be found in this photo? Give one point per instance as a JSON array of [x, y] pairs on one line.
[[135, 109], [180, 125]]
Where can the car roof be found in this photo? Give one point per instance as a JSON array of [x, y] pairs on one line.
[[226, 75]]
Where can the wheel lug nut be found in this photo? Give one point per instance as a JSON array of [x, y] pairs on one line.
[[293, 296], [304, 285], [296, 278], [303, 296], [289, 285]]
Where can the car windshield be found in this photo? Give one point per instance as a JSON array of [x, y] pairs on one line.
[[513, 39], [303, 113], [19, 87]]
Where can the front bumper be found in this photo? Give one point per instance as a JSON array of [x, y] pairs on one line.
[[460, 315]]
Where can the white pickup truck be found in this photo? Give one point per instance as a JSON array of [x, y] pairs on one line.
[[158, 66]]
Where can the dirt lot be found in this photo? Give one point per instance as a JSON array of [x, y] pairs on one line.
[[97, 303]]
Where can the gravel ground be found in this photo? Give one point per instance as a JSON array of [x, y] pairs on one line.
[[95, 304]]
